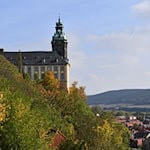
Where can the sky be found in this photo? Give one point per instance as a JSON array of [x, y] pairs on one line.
[[108, 40]]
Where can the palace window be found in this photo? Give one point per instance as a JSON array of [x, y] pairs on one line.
[[62, 69], [55, 69], [29, 69], [56, 75], [36, 69], [42, 70], [49, 68], [62, 76]]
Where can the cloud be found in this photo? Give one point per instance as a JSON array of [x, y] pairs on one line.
[[131, 60], [76, 55], [147, 73], [111, 61], [142, 8], [136, 39]]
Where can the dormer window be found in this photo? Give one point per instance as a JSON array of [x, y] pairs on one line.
[[44, 60]]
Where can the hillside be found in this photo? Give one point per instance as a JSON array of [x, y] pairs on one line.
[[128, 97], [33, 113], [39, 115]]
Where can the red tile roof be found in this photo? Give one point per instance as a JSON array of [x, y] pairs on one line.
[[57, 140]]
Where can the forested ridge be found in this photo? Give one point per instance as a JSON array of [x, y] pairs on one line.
[[125, 96], [29, 110]]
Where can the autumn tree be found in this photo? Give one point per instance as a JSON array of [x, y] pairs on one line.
[[2, 112], [29, 110], [110, 134], [49, 82], [25, 114], [78, 91]]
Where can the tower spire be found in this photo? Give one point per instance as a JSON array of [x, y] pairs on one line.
[[59, 40], [59, 18]]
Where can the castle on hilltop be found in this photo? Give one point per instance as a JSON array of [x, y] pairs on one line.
[[37, 62]]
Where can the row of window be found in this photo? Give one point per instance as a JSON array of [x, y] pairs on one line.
[[59, 71], [50, 68]]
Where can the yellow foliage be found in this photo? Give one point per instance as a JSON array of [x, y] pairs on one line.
[[110, 136], [2, 112], [50, 82], [80, 91], [1, 95], [42, 133], [20, 109], [105, 131]]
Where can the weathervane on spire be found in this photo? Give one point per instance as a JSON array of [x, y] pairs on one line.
[[59, 18]]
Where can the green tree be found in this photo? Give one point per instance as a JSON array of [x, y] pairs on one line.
[[19, 62], [73, 145], [112, 135], [26, 76], [25, 114], [96, 110], [29, 110]]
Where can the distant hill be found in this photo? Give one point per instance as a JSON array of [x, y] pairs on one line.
[[128, 97]]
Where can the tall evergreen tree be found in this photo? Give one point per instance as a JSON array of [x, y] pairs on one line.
[[19, 63]]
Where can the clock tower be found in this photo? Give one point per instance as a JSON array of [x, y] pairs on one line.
[[59, 40]]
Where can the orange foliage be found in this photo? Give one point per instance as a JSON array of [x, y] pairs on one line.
[[80, 91]]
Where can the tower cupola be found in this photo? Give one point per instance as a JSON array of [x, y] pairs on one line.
[[59, 26], [59, 40], [59, 34]]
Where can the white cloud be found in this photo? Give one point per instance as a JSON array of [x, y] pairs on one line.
[[142, 8], [131, 60], [136, 39], [116, 61], [76, 55], [147, 73]]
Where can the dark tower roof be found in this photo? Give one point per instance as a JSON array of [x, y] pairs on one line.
[[59, 25], [59, 34]]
